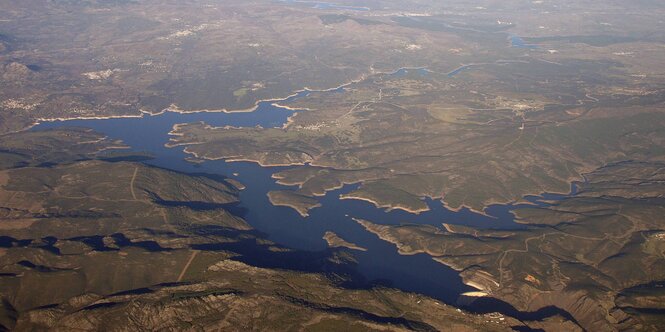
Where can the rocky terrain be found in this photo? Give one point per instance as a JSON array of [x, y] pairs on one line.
[[592, 254], [412, 103]]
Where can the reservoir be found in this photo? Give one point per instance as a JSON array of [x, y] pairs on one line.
[[381, 262]]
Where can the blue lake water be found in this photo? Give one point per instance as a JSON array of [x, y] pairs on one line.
[[418, 273]]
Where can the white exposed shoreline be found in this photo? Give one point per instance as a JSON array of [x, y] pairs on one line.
[[175, 109]]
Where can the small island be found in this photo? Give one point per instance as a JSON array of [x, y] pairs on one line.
[[334, 241]]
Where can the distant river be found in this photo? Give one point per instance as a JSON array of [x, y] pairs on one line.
[[518, 42], [324, 5]]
